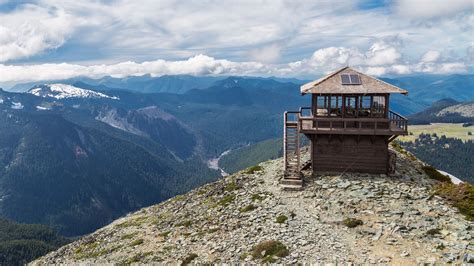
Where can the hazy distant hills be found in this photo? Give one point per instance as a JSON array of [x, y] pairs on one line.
[[146, 83], [445, 111], [423, 89]]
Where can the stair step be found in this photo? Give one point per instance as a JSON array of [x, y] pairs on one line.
[[291, 181]]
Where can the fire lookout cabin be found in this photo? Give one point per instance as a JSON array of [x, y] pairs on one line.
[[349, 125]]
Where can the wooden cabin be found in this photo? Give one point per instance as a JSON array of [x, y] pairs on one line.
[[349, 125]]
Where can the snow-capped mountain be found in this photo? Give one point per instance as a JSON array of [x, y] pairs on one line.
[[64, 91]]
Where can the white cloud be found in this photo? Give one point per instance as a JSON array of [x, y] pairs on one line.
[[266, 54], [381, 53], [32, 30], [420, 9], [197, 65], [380, 59], [313, 36], [431, 56]]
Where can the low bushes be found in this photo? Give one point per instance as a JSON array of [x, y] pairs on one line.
[[269, 249]]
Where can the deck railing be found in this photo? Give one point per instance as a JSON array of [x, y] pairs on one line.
[[393, 124]]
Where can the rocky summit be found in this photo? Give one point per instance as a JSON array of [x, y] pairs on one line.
[[247, 217]]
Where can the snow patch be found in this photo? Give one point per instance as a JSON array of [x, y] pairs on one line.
[[17, 106], [42, 108], [454, 179], [65, 91]]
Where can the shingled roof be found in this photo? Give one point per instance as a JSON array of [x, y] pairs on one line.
[[331, 84]]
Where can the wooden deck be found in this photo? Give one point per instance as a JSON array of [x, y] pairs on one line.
[[395, 124]]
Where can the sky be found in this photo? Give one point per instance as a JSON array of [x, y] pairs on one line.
[[54, 39]]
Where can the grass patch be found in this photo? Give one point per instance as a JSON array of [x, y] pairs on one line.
[[433, 232], [248, 208], [281, 218], [461, 196], [253, 169], [231, 186], [267, 250], [213, 230], [91, 250], [165, 234], [226, 200], [189, 258], [256, 197], [432, 173], [137, 258], [133, 222], [137, 242], [396, 146], [352, 222], [186, 223], [178, 198], [202, 191], [128, 236]]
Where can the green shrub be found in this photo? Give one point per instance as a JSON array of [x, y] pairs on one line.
[[248, 208], [186, 223], [129, 236], [164, 234], [137, 242], [432, 173], [269, 249], [433, 232], [461, 196], [213, 230], [253, 169], [189, 258], [231, 186], [281, 219], [226, 200], [351, 222], [396, 146], [257, 197]]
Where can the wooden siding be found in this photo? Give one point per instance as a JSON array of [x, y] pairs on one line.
[[345, 153]]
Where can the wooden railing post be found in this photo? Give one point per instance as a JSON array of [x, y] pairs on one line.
[[298, 142]]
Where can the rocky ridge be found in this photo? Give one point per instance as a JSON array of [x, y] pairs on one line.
[[402, 223]]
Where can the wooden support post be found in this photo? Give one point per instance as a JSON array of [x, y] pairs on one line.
[[371, 105], [329, 105]]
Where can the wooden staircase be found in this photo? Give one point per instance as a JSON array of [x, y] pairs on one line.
[[292, 179]]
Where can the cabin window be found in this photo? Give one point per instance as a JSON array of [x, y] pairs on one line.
[[378, 106], [350, 105], [365, 105], [336, 106]]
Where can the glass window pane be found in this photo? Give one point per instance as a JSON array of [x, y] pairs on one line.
[[345, 79], [355, 79]]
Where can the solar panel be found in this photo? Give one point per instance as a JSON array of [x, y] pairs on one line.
[[355, 79], [345, 80]]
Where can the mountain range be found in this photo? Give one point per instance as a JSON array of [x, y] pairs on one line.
[[445, 111], [77, 154]]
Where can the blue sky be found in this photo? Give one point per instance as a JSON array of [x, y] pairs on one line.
[[52, 39]]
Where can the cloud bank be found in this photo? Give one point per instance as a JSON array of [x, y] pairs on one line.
[[380, 59], [53, 39]]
